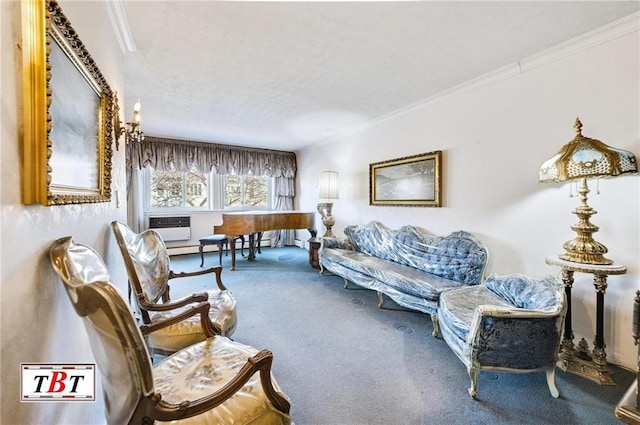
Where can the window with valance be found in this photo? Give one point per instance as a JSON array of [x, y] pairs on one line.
[[165, 154], [180, 155]]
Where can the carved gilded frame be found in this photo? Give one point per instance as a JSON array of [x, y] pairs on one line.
[[412, 181], [68, 113]]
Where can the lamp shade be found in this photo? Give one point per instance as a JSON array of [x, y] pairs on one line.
[[588, 158], [583, 158], [328, 185]]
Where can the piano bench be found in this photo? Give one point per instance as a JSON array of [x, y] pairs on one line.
[[219, 240]]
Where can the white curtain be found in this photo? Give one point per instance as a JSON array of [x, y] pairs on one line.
[[284, 193], [135, 205]]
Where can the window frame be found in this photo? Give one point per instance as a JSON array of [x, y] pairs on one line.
[[215, 195], [270, 200]]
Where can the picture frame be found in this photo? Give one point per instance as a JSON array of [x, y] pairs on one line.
[[68, 113], [411, 181]]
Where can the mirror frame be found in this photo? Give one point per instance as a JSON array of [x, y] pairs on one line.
[[85, 132]]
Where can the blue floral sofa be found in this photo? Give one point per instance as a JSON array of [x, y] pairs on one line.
[[407, 265], [510, 323]]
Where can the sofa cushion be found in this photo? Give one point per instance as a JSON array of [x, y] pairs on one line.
[[523, 292], [373, 238], [457, 256], [458, 307], [405, 279]]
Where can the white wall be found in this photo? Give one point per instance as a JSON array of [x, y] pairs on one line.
[[494, 135], [38, 322]]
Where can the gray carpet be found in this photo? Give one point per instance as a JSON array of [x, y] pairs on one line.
[[343, 361]]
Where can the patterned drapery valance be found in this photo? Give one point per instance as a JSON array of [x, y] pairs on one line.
[[183, 155]]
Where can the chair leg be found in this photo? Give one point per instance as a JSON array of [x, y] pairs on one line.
[[201, 255], [220, 249], [436, 325], [473, 374], [551, 381], [346, 283], [380, 300]]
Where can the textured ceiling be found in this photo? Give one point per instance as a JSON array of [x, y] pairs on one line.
[[282, 75]]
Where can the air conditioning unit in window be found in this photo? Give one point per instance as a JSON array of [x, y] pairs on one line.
[[172, 228]]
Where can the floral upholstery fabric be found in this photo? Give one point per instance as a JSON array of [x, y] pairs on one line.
[[222, 313], [207, 366], [409, 266]]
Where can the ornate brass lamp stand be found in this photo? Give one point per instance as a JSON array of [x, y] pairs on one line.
[[580, 159]]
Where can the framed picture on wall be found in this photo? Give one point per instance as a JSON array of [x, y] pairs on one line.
[[412, 181], [68, 113]]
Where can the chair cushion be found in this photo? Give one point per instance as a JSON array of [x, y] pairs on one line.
[[205, 367], [179, 335], [458, 307], [213, 239]]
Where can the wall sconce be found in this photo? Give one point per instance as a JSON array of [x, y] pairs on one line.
[[131, 130], [580, 159], [328, 190]]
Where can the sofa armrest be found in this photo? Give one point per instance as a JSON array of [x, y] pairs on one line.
[[514, 313], [333, 242], [489, 318], [515, 338]]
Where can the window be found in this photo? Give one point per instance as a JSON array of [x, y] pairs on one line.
[[246, 191], [176, 190]]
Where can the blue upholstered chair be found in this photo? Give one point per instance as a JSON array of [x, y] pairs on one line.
[[222, 241], [509, 324]]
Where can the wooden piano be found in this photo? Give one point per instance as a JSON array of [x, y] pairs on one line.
[[252, 223]]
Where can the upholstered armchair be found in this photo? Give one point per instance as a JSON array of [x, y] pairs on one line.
[[509, 324], [148, 266], [215, 381]]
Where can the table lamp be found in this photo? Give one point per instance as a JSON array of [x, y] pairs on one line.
[[328, 189], [580, 159]]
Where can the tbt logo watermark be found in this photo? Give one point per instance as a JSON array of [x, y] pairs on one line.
[[57, 382]]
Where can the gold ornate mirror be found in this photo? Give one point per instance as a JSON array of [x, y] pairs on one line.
[[68, 113]]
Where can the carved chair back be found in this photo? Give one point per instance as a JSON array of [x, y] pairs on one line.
[[117, 344], [147, 262]]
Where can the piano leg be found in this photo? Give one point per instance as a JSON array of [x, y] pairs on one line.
[[232, 242], [252, 247], [259, 243]]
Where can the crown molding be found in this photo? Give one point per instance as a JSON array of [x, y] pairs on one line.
[[120, 23], [589, 40]]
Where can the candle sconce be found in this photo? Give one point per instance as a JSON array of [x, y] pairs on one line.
[[131, 129]]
